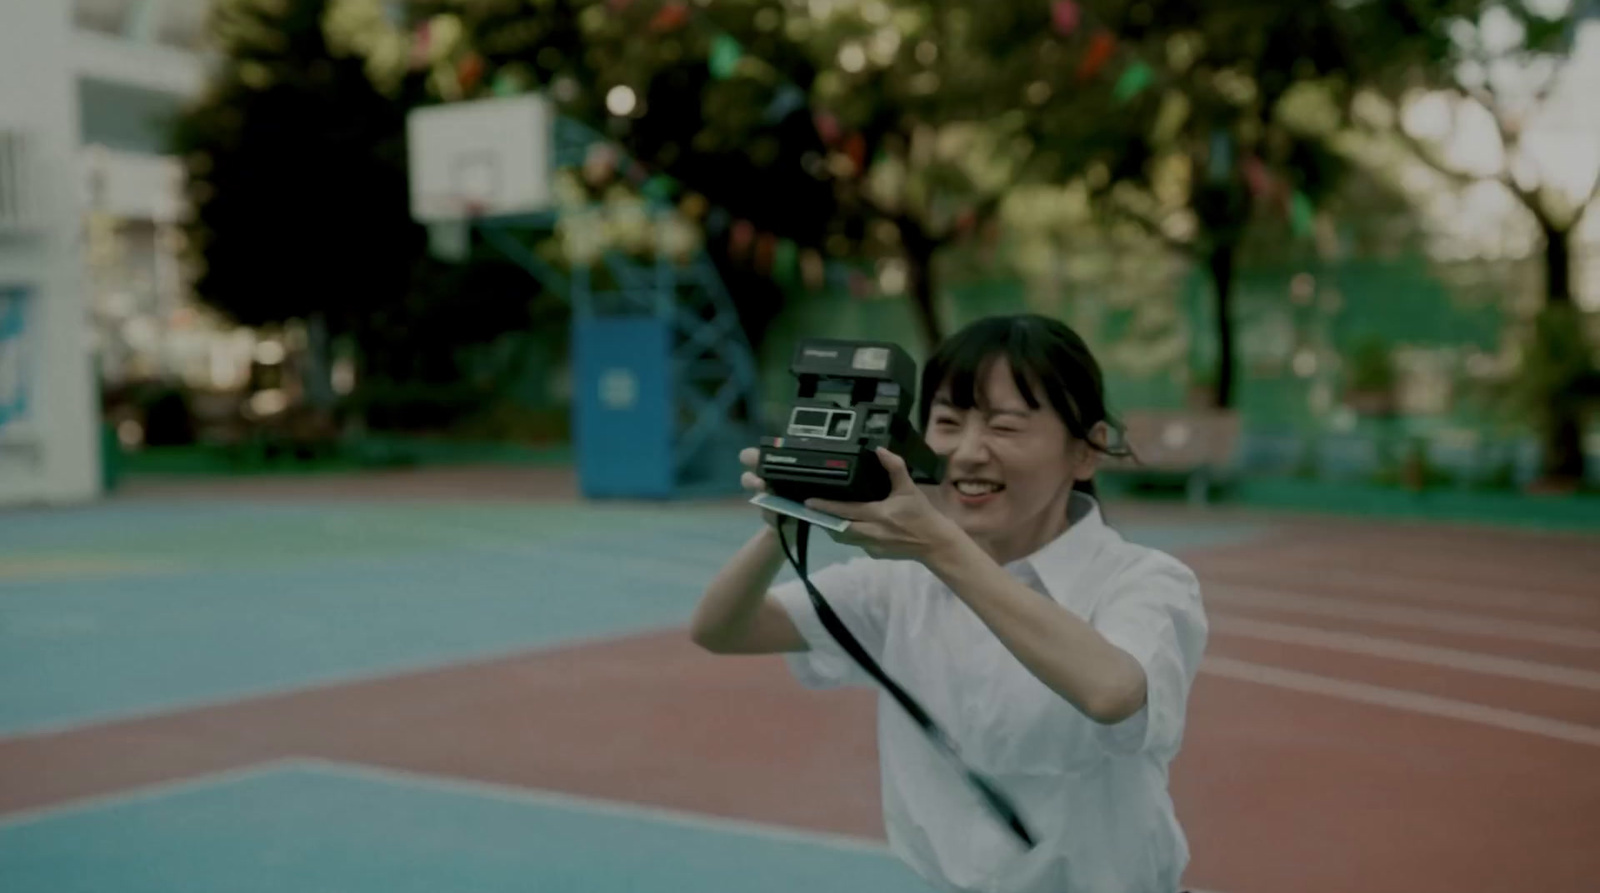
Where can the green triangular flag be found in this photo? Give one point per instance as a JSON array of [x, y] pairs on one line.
[[658, 187], [507, 83], [1134, 79], [784, 261], [1301, 213], [725, 56]]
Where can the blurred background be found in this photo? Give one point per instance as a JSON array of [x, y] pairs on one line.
[[314, 302], [1360, 231]]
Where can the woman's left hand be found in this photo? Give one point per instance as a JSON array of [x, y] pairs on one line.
[[905, 524]]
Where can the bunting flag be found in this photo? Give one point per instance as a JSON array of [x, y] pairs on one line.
[[827, 128], [469, 71], [660, 187], [1065, 16], [1302, 214], [856, 148], [788, 100], [670, 18], [1256, 177], [507, 83], [725, 56], [421, 45], [1101, 46], [1135, 78], [766, 248], [784, 261], [740, 238], [1219, 160]]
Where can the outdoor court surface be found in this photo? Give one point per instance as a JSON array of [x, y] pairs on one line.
[[436, 682]]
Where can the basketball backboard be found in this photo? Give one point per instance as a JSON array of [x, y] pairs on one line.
[[480, 158]]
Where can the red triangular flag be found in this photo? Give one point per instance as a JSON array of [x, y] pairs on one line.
[[1099, 53], [1064, 17], [671, 17]]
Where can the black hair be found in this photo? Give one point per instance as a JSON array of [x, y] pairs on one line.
[[1043, 353]]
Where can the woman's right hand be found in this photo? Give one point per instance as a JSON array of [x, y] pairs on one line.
[[750, 458]]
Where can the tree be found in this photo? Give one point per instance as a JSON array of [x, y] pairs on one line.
[[1181, 117], [296, 165], [828, 126], [1508, 86]]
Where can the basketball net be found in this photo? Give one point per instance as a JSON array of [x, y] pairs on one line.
[[451, 240]]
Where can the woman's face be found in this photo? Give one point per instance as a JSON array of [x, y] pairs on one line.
[[1011, 467]]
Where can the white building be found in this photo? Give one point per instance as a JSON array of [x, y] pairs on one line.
[[84, 86]]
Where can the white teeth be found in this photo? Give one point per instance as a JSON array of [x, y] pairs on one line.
[[976, 488]]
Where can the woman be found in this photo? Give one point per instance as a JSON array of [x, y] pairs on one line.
[[1057, 655]]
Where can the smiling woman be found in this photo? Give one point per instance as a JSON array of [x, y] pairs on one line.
[[1057, 656], [1018, 406]]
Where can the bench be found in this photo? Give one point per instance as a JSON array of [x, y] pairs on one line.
[[1192, 447]]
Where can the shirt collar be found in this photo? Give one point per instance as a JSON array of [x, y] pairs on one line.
[[1060, 561]]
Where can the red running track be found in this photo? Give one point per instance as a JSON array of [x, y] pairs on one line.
[[1385, 709]]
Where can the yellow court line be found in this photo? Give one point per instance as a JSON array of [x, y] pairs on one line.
[[50, 568]]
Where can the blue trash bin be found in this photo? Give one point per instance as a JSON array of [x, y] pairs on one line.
[[625, 425]]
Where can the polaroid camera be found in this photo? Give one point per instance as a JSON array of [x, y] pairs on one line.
[[854, 397]]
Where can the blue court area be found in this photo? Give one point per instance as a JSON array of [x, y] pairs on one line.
[[137, 609], [128, 609], [318, 827]]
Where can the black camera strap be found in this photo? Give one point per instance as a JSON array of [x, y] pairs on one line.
[[997, 802]]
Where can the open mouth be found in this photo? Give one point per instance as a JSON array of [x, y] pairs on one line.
[[972, 490]]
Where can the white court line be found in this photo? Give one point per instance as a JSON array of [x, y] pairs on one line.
[[1463, 594], [489, 790], [331, 680], [1409, 701], [1451, 658], [140, 793], [609, 808], [1398, 615]]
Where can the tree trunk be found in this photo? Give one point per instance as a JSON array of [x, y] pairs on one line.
[[1557, 266], [919, 261], [1220, 262], [1562, 465]]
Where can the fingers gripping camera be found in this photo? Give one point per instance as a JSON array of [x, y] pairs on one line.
[[854, 396]]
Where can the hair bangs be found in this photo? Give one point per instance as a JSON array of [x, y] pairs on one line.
[[963, 363]]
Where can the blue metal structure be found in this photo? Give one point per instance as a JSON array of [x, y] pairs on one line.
[[15, 363], [664, 380]]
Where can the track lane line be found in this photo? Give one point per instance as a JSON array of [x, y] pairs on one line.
[[1399, 699], [1400, 615], [1396, 649]]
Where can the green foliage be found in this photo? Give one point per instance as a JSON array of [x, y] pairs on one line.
[[1558, 374], [296, 174], [296, 162], [1372, 367]]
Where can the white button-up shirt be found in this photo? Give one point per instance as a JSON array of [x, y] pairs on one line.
[[1094, 796]]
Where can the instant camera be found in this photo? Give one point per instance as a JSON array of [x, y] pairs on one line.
[[854, 397]]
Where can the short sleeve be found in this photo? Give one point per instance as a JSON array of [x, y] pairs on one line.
[[1155, 614], [857, 592]]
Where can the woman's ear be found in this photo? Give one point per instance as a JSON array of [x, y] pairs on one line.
[[1089, 451]]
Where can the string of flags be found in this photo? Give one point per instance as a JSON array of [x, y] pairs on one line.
[[787, 261], [1067, 18]]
